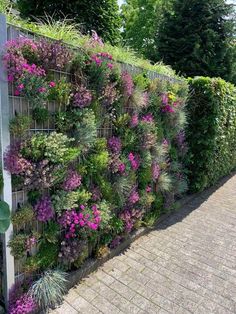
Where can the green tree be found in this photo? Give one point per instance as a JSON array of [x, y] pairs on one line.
[[194, 38], [141, 19], [99, 15]]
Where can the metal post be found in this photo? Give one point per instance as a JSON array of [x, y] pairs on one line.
[[8, 259]]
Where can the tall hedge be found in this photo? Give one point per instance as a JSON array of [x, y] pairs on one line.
[[212, 131]]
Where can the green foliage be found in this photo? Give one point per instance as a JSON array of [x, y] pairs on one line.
[[45, 258], [19, 125], [98, 162], [60, 93], [106, 215], [205, 30], [4, 216], [57, 148], [40, 114], [18, 245], [211, 132], [48, 290], [51, 232], [63, 200], [141, 23], [86, 129], [35, 147], [23, 217], [101, 16], [164, 182]]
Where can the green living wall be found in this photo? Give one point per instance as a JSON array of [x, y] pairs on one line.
[[211, 131], [104, 160]]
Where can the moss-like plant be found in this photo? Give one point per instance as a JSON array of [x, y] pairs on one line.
[[48, 290], [40, 114], [22, 217], [19, 125]]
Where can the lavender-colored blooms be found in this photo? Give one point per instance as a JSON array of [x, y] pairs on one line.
[[109, 94], [134, 196], [128, 84], [13, 160], [72, 181], [129, 217], [156, 170], [96, 193], [115, 242], [44, 209], [82, 98], [114, 144], [148, 118], [134, 120]]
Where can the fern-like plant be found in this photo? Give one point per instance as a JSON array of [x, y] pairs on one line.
[[48, 290]]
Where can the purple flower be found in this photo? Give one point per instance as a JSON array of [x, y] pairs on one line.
[[164, 99], [148, 118], [82, 97], [134, 161], [13, 160], [129, 217], [44, 209], [121, 167], [24, 305], [72, 181], [134, 196], [134, 120], [128, 84], [114, 144]]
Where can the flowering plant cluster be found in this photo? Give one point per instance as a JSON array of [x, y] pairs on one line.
[[114, 160], [72, 220]]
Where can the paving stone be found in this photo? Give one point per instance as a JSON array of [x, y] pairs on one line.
[[187, 265]]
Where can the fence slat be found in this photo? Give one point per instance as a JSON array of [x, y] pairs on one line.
[[8, 259]]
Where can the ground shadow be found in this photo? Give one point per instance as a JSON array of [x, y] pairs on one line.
[[192, 203]]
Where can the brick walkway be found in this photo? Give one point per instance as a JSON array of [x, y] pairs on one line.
[[187, 265]]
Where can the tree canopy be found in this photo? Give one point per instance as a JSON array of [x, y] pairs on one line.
[[195, 38], [99, 15]]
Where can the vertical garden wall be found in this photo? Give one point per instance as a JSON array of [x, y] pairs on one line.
[[92, 150]]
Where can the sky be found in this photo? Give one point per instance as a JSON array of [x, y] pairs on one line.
[[120, 2]]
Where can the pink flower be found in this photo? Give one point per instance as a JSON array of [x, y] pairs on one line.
[[20, 87], [52, 84], [148, 189], [42, 90], [164, 98], [110, 65], [121, 168], [134, 161], [17, 92]]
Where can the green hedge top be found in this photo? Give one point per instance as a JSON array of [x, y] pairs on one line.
[[212, 130]]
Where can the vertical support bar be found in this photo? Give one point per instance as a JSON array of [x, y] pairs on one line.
[[8, 259]]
